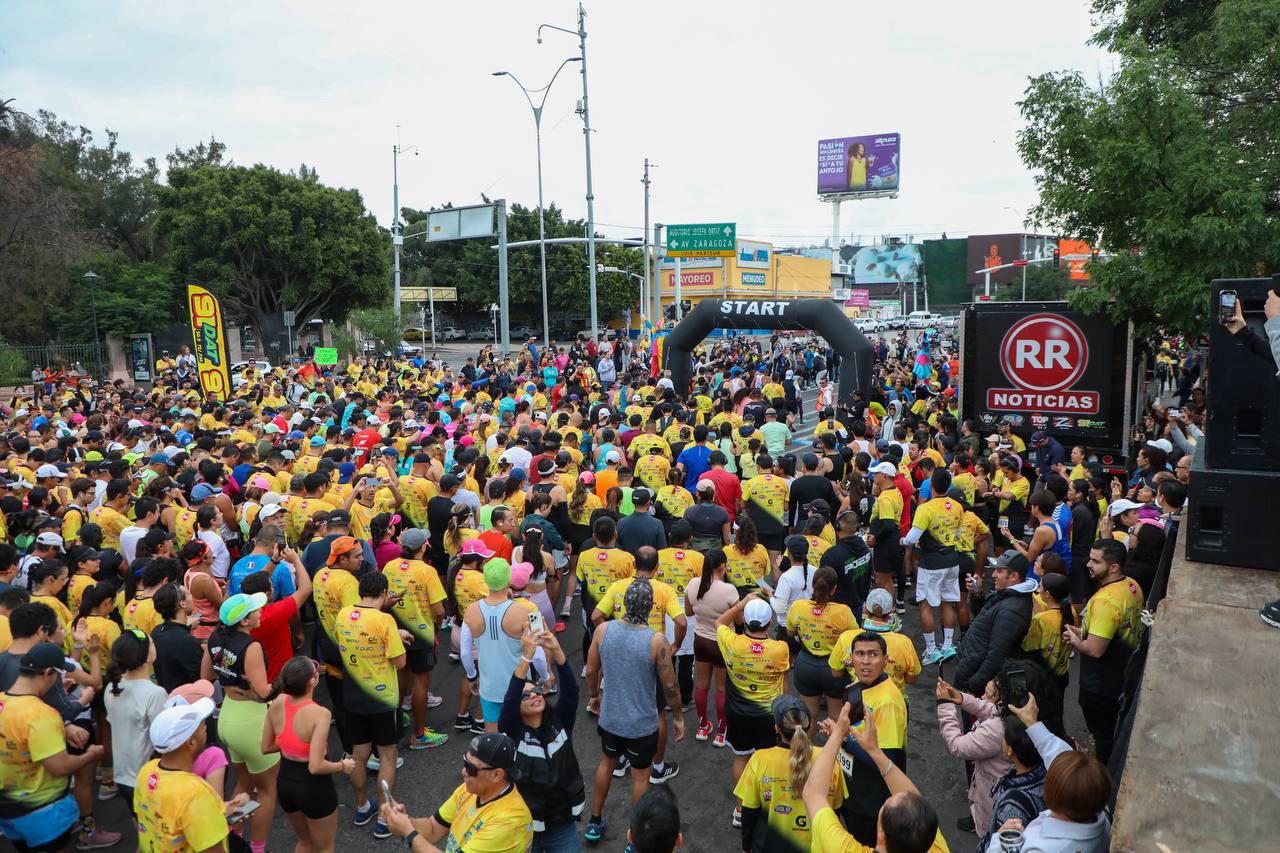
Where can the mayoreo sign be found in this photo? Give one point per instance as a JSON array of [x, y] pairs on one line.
[[1043, 356]]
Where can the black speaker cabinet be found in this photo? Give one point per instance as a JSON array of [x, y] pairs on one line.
[[1231, 516], [1243, 423]]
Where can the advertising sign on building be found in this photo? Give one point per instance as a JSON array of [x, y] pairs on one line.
[[695, 279], [753, 279], [859, 164], [994, 250], [885, 264], [1074, 255], [754, 256], [858, 298]]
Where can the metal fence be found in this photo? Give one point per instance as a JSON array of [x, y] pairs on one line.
[[18, 362]]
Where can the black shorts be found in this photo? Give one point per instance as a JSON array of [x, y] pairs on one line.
[[747, 732], [886, 559], [379, 729], [773, 541], [300, 791], [639, 750], [420, 658], [966, 567], [813, 677], [707, 651]]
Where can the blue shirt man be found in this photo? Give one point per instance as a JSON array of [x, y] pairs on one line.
[[281, 575]]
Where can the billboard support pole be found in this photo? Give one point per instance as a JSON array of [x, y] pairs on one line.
[[986, 288], [835, 231]]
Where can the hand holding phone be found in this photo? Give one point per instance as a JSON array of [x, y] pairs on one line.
[[1229, 308]]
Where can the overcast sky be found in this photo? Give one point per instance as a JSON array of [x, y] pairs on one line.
[[728, 98]]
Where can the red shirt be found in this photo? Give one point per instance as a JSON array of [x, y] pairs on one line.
[[275, 635], [500, 545], [364, 441], [907, 492], [728, 489]]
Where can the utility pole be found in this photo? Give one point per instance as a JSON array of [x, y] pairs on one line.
[[658, 317], [645, 286], [397, 239], [500, 207]]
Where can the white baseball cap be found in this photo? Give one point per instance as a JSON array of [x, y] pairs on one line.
[[757, 614], [886, 468], [136, 424], [373, 420], [269, 510], [50, 540], [1121, 506], [613, 456], [174, 726], [1162, 444], [49, 471]]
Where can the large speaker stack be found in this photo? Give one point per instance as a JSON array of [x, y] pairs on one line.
[[1234, 502]]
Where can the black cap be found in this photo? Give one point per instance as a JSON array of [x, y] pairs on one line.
[[448, 481], [818, 505], [338, 516], [495, 749], [80, 554], [957, 494], [44, 656], [797, 545], [810, 460]]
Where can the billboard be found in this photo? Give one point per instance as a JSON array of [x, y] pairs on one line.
[[994, 250], [689, 280], [753, 255], [859, 164], [887, 264], [1075, 266], [858, 298], [209, 342], [1045, 368]]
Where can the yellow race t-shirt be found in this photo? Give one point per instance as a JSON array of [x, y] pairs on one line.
[[1045, 636], [765, 784], [111, 523], [901, 660], [939, 519], [368, 640], [598, 568], [30, 732], [141, 614], [743, 570], [767, 494], [678, 566], [501, 825], [830, 836], [757, 671], [818, 626], [419, 587], [468, 588], [971, 528], [665, 603], [177, 811], [334, 589]]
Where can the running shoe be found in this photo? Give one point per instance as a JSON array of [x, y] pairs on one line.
[[902, 606], [455, 657], [380, 829], [365, 813], [737, 817], [434, 701], [704, 731], [97, 840], [670, 770], [462, 722], [719, 742], [623, 766], [477, 726], [406, 704], [375, 765], [1271, 614], [107, 790], [429, 739], [932, 657], [948, 652], [565, 612], [595, 831]]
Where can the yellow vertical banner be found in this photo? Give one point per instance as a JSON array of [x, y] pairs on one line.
[[209, 342]]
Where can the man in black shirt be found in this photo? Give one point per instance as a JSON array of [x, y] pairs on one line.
[[178, 653], [811, 486], [640, 528], [439, 513], [850, 558]]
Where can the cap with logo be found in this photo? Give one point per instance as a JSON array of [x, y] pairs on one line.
[[494, 749], [236, 608], [176, 725]]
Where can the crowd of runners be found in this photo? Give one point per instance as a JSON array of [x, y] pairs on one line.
[[227, 613]]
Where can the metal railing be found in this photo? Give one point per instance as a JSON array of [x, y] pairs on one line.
[[18, 362]]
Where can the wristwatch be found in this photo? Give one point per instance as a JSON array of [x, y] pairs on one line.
[[408, 839]]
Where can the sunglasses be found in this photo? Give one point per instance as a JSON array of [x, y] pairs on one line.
[[471, 769], [533, 690]]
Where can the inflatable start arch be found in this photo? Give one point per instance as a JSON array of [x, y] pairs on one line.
[[819, 315]]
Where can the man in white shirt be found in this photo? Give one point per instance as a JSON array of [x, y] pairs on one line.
[[147, 511]]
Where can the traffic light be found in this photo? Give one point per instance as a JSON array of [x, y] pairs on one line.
[[1093, 254], [685, 307], [1057, 257]]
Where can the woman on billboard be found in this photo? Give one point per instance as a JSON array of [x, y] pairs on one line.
[[859, 162]]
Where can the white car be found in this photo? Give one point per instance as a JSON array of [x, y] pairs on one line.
[[237, 370], [922, 319], [451, 333]]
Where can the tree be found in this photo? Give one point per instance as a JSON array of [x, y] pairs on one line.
[[379, 325], [1044, 284], [267, 242], [1169, 165], [131, 297]]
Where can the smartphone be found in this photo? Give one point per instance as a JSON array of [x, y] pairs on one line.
[[243, 812], [1227, 306], [764, 584], [1017, 687], [1004, 522], [386, 791], [535, 621], [853, 695]]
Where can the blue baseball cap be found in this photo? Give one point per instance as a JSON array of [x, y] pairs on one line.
[[317, 441], [296, 434]]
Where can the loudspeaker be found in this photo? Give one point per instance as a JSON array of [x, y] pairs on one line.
[[1243, 400], [1231, 516]]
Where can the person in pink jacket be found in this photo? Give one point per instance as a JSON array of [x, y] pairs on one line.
[[983, 744]]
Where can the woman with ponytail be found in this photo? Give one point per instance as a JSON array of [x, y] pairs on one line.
[[530, 551], [49, 586], [458, 532], [298, 728], [772, 785], [99, 633], [132, 701], [705, 600], [1044, 637], [382, 532], [816, 623]]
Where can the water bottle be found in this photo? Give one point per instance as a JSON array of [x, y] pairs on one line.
[[1011, 841]]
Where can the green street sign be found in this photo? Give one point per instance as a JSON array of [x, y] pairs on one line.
[[326, 356], [710, 240]]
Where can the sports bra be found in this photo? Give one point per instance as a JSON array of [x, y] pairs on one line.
[[291, 746]]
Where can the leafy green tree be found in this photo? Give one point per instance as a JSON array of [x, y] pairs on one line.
[[379, 325], [1044, 284], [1169, 165], [472, 267], [131, 297], [267, 242]]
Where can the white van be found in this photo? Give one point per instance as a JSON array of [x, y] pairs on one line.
[[922, 319]]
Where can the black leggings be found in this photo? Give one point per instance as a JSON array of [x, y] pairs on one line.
[[333, 685], [301, 791]]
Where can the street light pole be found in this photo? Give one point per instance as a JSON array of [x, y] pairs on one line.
[[397, 239], [542, 231], [581, 33], [91, 279], [644, 284]]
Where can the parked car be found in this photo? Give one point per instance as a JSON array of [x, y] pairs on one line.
[[451, 333], [922, 319], [479, 333], [523, 333], [409, 349], [237, 370]]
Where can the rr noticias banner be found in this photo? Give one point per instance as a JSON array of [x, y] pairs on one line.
[[209, 341]]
